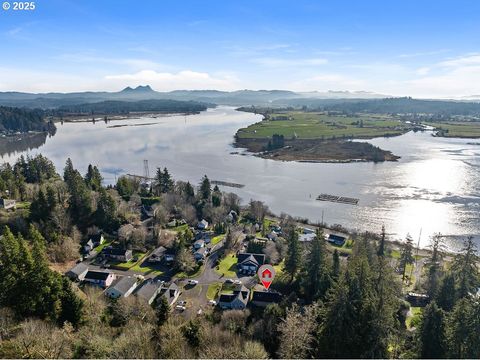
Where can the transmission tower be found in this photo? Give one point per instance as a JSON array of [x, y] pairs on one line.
[[146, 170]]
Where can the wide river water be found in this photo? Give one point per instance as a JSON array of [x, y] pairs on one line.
[[434, 187]]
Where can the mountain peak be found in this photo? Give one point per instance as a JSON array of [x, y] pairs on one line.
[[140, 88]]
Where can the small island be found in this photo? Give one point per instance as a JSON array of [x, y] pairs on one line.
[[319, 136]]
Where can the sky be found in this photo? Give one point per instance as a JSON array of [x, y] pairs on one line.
[[427, 49]]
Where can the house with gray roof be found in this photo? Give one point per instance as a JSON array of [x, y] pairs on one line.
[[249, 263], [237, 300], [157, 255], [78, 272], [149, 290], [171, 293], [122, 288]]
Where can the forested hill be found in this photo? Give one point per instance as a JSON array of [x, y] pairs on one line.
[[123, 107], [23, 120]]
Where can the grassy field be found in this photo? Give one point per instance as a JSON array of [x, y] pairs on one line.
[[217, 239], [213, 290], [129, 264], [311, 125], [227, 266], [469, 129]]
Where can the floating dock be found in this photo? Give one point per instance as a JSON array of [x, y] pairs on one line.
[[338, 199], [226, 183]]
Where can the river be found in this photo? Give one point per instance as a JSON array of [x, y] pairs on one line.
[[434, 187]]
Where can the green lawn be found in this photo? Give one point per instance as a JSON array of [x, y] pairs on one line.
[[466, 129], [228, 266], [316, 125], [179, 228], [129, 264], [146, 268], [217, 239], [100, 247], [213, 290]]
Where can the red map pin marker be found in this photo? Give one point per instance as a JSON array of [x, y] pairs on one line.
[[266, 273]]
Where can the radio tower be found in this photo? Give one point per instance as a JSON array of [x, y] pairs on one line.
[[146, 171]]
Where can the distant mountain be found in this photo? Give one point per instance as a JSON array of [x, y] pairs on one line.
[[234, 98], [331, 94]]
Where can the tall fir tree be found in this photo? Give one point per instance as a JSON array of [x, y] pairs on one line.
[[432, 333], [315, 273], [294, 256]]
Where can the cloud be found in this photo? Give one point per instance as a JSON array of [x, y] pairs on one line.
[[467, 60], [281, 62], [325, 82], [423, 70], [186, 79], [134, 63], [425, 53]]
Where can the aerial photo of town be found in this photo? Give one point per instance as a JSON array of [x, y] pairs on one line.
[[241, 179]]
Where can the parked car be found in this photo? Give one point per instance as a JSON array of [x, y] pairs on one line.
[[180, 308], [212, 302], [237, 282], [228, 281], [192, 282], [182, 302]]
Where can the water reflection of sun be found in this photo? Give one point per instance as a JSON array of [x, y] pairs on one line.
[[430, 217], [436, 175]]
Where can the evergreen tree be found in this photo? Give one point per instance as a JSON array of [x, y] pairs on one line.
[[315, 279], [71, 305], [162, 311], [293, 259], [465, 269], [106, 213], [381, 245], [205, 188], [433, 266], [432, 336], [406, 255], [463, 329], [93, 178], [335, 265], [188, 190], [446, 296], [167, 182]]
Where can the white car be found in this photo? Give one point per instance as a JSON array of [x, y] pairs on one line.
[[212, 302], [192, 282], [237, 282], [180, 308]]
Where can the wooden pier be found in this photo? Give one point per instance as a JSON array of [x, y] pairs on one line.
[[338, 199]]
